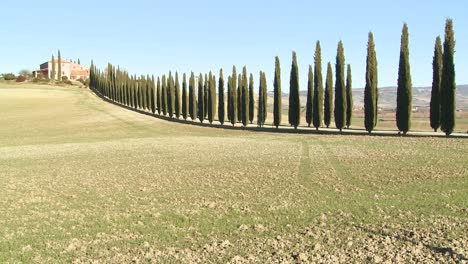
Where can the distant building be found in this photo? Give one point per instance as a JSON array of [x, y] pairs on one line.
[[73, 71]]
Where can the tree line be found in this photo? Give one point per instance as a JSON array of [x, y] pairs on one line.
[[202, 97]]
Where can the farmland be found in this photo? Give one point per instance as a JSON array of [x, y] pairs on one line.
[[84, 180]]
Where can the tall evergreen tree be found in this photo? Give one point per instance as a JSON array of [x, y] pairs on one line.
[[251, 99], [59, 66], [201, 100], [294, 103], [277, 94], [404, 90], [158, 95], [262, 100], [436, 83], [233, 101], [448, 86], [239, 98], [164, 95], [349, 97], [229, 92], [310, 96], [152, 93], [317, 112], [52, 73], [245, 97], [211, 98], [177, 96], [192, 97], [371, 90], [328, 102], [79, 61], [184, 97], [205, 94], [221, 97], [171, 95], [340, 88]]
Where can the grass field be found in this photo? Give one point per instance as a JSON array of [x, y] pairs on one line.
[[82, 180]]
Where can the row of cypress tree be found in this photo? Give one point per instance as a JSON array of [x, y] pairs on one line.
[[203, 100]]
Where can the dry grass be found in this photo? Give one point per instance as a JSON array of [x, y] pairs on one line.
[[83, 181]]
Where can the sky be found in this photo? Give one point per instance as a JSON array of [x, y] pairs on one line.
[[155, 37]]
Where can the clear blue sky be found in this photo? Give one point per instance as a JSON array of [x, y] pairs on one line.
[[154, 37]]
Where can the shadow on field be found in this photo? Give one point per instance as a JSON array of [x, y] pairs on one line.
[[408, 238], [272, 129]]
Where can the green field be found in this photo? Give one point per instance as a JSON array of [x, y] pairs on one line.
[[82, 180]]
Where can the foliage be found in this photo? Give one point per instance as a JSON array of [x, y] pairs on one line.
[[448, 86], [349, 97], [371, 91], [294, 102], [328, 100], [9, 76], [404, 89], [277, 94], [317, 112], [340, 88], [436, 83], [310, 96]]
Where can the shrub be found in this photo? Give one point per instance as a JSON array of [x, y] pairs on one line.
[[20, 79], [64, 78], [9, 76]]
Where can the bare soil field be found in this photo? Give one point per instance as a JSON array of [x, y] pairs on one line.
[[85, 181]]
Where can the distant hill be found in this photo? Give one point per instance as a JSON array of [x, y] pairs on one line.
[[387, 97]]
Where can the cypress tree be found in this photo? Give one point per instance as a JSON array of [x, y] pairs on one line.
[[147, 84], [164, 95], [317, 112], [205, 95], [142, 85], [79, 61], [171, 95], [201, 101], [233, 101], [184, 97], [177, 96], [141, 89], [221, 97], [262, 100], [448, 86], [436, 82], [310, 96], [328, 102], [251, 99], [229, 99], [245, 97], [239, 98], [59, 66], [371, 90], [277, 94], [211, 97], [192, 97], [349, 97], [158, 96], [52, 73], [340, 89], [152, 94], [294, 103], [404, 90]]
